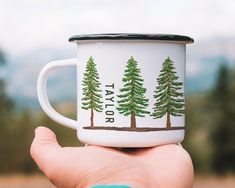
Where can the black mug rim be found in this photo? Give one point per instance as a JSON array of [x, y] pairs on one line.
[[132, 36]]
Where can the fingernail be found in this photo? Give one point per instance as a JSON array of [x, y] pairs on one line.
[[36, 131]]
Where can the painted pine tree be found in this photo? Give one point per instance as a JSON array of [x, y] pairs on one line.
[[169, 99], [132, 98], [91, 90]]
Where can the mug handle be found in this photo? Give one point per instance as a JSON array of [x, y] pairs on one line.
[[42, 93]]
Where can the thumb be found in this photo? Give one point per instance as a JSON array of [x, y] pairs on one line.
[[44, 148]]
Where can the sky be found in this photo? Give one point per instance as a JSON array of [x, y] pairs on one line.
[[26, 24], [34, 32]]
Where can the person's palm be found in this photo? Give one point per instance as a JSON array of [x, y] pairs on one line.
[[162, 166]]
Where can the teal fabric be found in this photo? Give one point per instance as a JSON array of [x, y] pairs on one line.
[[110, 186]]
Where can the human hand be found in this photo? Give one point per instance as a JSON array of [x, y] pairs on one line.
[[82, 167]]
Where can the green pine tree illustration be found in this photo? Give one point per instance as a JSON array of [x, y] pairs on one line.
[[169, 99], [132, 98], [91, 90]]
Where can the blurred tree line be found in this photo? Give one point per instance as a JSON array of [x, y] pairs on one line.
[[210, 121], [210, 128], [17, 132]]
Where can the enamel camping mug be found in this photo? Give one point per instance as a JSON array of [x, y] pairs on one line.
[[130, 89]]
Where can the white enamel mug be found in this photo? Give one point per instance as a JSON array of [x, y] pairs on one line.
[[130, 89]]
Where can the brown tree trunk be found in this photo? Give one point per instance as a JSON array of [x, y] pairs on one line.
[[168, 120], [92, 118], [133, 121]]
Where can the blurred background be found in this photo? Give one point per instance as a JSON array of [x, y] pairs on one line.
[[32, 33]]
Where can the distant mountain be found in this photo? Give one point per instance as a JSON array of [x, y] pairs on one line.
[[21, 75], [205, 78], [21, 72], [204, 59]]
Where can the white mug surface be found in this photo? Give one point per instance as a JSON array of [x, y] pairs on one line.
[[130, 89]]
